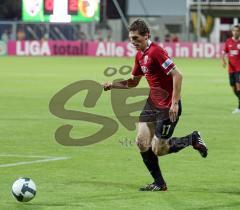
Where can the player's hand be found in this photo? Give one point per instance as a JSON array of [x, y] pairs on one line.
[[107, 86], [173, 112]]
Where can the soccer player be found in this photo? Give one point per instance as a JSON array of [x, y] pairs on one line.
[[232, 52], [163, 106]]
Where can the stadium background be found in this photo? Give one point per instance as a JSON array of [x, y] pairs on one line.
[[38, 59]]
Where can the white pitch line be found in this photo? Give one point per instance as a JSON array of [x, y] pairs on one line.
[[32, 162], [26, 156]]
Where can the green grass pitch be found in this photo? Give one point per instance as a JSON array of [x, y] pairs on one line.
[[107, 175]]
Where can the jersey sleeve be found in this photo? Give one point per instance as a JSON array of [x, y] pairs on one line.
[[163, 60], [137, 68]]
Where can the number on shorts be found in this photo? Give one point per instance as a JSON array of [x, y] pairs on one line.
[[166, 129]]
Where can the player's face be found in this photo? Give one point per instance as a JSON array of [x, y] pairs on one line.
[[236, 33], [138, 41]]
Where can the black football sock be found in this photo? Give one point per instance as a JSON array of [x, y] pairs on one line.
[[151, 162], [177, 144]]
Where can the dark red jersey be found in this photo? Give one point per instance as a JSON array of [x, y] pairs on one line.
[[232, 48], [155, 64]]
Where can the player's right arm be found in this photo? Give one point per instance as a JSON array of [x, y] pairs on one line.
[[224, 59], [129, 83], [125, 84], [224, 55]]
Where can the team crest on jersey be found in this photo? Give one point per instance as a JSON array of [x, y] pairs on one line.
[[144, 69], [238, 46], [145, 59]]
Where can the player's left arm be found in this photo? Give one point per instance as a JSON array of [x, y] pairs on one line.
[[224, 59], [225, 55], [177, 84]]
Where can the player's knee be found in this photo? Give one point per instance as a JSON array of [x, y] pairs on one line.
[[160, 151], [142, 143], [160, 147], [237, 86]]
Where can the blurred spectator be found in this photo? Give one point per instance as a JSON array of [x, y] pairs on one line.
[[100, 39], [5, 36], [82, 35], [21, 35], [103, 32], [109, 36], [156, 39], [45, 37], [167, 38], [10, 34], [175, 38], [99, 36]]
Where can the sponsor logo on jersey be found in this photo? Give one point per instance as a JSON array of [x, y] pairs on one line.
[[233, 52], [145, 60], [144, 69], [167, 63]]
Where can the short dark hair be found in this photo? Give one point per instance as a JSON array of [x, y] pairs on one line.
[[140, 26], [236, 26]]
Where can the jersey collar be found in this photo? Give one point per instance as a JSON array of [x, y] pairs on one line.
[[149, 42]]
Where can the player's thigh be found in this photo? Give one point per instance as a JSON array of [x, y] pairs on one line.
[[145, 134], [164, 131], [237, 80], [232, 80], [238, 86], [165, 127]]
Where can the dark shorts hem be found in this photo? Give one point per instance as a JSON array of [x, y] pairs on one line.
[[160, 117], [234, 78], [152, 114]]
